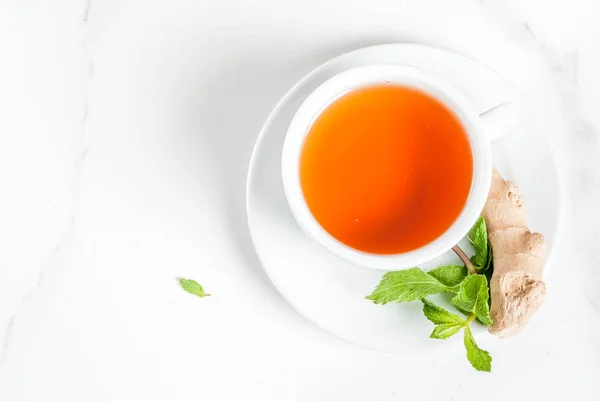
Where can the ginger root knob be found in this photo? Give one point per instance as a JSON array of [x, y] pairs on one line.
[[516, 287]]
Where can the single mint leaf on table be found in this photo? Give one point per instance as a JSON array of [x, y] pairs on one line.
[[473, 297], [480, 359], [446, 323], [407, 286], [193, 287], [479, 239], [450, 275]]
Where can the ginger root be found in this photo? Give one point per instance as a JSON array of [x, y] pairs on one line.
[[516, 287]]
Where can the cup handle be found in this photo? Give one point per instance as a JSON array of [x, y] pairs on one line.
[[500, 119]]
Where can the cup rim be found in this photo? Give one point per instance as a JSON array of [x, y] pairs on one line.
[[370, 75]]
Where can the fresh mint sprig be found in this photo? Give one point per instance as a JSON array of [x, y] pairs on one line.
[[447, 324], [470, 289]]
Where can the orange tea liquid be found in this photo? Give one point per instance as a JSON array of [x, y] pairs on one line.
[[386, 169]]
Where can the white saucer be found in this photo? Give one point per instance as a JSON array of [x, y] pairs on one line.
[[329, 291]]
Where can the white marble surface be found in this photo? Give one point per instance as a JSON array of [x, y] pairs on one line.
[[125, 132]]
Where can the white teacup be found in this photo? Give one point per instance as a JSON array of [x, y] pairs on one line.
[[480, 129]]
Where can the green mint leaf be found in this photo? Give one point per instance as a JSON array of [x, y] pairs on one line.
[[490, 257], [488, 260], [488, 272], [443, 331], [473, 297], [478, 238], [193, 287], [480, 359], [449, 275], [446, 323], [407, 286], [438, 315]]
